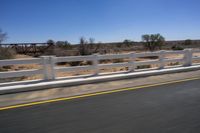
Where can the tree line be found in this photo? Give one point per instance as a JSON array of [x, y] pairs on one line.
[[150, 42]]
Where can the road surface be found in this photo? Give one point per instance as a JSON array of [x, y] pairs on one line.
[[172, 108]]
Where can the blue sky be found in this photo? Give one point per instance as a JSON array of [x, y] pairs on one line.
[[104, 20]]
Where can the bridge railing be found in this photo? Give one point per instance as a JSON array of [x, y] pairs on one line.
[[50, 68], [10, 74]]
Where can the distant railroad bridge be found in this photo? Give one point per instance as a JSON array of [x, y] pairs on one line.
[[34, 49]]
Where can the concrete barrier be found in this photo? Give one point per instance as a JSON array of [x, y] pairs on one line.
[[49, 69]]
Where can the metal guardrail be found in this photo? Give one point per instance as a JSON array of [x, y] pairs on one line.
[[49, 68]]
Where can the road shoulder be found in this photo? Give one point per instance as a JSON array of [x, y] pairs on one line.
[[53, 93]]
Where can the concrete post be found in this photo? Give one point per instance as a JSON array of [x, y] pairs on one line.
[[132, 62], [95, 63], [188, 57], [161, 59], [45, 60], [52, 67]]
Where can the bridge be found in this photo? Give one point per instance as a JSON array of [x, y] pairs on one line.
[[34, 49], [169, 103], [49, 68]]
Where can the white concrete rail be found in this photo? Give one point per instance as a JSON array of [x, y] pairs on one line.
[[9, 74], [49, 67]]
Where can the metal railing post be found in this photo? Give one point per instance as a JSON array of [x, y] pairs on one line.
[[132, 62], [95, 63], [188, 57], [161, 59]]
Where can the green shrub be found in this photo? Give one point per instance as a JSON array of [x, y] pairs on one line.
[[117, 60], [176, 47], [153, 41], [143, 66], [174, 63], [75, 63], [188, 42]]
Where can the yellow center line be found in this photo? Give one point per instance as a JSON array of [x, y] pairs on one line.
[[95, 94]]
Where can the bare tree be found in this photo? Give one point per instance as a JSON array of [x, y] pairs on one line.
[[91, 44], [5, 52], [83, 47], [3, 36], [153, 41], [67, 44], [91, 40]]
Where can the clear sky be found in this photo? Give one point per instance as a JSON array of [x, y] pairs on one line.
[[104, 20]]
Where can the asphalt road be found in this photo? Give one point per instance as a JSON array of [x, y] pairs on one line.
[[173, 108]]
